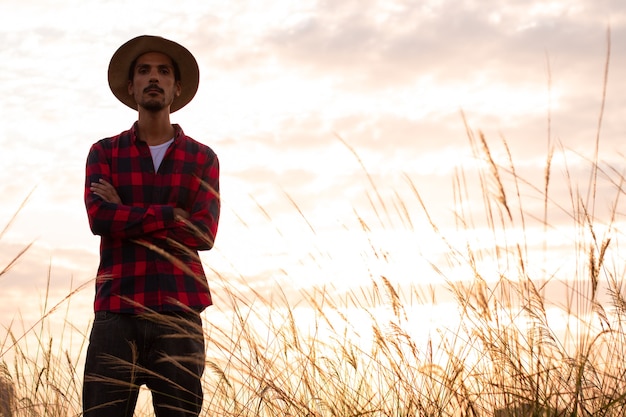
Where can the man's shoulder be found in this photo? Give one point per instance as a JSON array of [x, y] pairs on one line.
[[120, 138], [195, 146]]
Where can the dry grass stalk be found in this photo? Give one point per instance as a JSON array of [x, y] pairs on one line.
[[7, 393], [502, 357]]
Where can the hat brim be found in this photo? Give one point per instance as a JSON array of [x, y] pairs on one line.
[[119, 68]]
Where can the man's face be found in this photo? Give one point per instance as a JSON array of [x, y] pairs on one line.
[[154, 84]]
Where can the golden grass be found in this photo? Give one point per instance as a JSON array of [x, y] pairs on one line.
[[359, 354], [502, 358]]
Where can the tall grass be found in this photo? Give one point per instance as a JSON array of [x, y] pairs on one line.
[[363, 352], [359, 354]]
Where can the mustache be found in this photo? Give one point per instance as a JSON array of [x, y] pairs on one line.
[[153, 87]]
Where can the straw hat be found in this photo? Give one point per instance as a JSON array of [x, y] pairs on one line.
[[119, 68]]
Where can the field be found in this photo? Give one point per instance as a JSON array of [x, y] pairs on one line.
[[505, 333]]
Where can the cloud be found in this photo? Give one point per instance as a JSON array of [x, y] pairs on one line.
[[356, 63], [280, 80], [376, 45]]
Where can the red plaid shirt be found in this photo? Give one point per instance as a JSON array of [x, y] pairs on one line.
[[148, 260]]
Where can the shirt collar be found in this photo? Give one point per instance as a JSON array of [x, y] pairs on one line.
[[178, 132]]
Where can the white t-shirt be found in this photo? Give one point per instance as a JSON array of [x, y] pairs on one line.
[[158, 152]]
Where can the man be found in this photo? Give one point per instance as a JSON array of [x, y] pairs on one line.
[[152, 195]]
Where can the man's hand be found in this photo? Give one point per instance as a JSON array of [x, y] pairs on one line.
[[105, 191]]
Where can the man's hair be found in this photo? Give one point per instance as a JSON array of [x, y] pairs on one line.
[[131, 70]]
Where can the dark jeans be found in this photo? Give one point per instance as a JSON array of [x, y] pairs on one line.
[[163, 351]]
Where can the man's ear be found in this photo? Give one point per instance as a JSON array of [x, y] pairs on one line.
[[130, 88], [179, 88]]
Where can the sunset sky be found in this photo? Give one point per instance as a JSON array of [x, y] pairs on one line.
[[281, 83]]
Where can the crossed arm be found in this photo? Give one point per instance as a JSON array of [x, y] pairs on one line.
[[108, 193], [193, 227]]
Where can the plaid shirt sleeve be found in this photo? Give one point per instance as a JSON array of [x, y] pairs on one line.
[[198, 232], [120, 221]]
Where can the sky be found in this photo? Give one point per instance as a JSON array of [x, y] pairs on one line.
[[324, 114]]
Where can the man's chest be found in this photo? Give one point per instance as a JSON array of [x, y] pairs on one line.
[[137, 183]]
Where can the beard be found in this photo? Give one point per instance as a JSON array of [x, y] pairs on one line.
[[153, 105]]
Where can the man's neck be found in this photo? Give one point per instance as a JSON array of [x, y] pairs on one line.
[[155, 128]]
